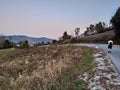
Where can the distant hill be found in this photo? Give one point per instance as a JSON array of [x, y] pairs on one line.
[[31, 40]]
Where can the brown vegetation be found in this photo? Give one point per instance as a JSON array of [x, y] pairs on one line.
[[102, 38], [36, 68]]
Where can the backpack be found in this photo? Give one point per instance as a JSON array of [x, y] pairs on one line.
[[110, 43]]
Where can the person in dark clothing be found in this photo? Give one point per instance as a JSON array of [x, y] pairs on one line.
[[110, 45]]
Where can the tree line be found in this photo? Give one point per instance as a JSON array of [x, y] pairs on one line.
[[116, 24], [97, 28], [5, 43], [94, 29]]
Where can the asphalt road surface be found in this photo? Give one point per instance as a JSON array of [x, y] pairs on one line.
[[114, 55]]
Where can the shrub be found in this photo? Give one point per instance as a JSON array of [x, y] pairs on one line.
[[24, 44]]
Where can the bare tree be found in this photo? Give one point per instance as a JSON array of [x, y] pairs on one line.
[[77, 32]]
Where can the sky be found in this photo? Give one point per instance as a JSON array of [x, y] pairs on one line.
[[50, 18]]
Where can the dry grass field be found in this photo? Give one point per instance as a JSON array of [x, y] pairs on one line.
[[103, 37], [44, 68]]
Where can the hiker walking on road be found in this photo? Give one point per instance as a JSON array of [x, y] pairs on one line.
[[110, 45]]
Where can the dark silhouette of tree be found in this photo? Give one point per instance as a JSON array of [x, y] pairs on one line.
[[2, 40], [43, 43], [7, 44], [65, 35], [54, 41], [92, 28], [77, 32], [64, 38], [4, 43], [95, 29], [86, 32], [24, 44], [100, 27], [116, 23]]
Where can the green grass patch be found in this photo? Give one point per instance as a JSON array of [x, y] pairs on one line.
[[86, 62], [69, 80]]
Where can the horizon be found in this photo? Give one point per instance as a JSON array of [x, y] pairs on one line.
[[28, 36], [38, 18]]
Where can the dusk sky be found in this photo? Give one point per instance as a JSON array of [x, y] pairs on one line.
[[50, 18]]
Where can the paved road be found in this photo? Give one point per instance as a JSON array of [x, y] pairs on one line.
[[114, 56]]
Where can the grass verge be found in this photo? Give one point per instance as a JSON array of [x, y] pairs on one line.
[[69, 80]]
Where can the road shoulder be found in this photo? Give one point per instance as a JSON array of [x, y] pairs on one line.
[[105, 75]]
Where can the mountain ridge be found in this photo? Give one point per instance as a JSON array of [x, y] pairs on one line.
[[31, 40]]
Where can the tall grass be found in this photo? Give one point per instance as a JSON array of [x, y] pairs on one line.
[[44, 68]]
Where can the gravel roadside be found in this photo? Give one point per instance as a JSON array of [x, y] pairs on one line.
[[105, 75]]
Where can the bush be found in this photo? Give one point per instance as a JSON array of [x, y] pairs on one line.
[[24, 44], [6, 44]]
